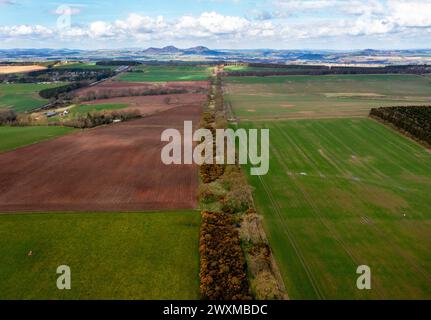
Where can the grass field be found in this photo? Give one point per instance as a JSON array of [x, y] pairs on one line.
[[167, 73], [111, 256], [15, 137], [253, 69], [85, 108], [322, 96], [342, 193], [23, 97]]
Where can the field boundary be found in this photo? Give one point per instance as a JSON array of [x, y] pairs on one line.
[[402, 132]]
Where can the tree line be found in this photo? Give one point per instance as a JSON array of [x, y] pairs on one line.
[[415, 120], [294, 70]]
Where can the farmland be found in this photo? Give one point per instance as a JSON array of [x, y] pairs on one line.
[[112, 168], [341, 193], [23, 97], [86, 108], [284, 97], [19, 69], [101, 201], [167, 73], [152, 255], [15, 137]]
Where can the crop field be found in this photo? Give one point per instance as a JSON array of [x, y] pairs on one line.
[[167, 73], [342, 193], [147, 105], [152, 255], [19, 69], [23, 97], [281, 97], [14, 137], [110, 168]]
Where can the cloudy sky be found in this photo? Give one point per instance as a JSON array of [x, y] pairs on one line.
[[228, 24]]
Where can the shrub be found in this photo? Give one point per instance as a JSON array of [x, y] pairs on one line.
[[211, 172], [211, 192], [222, 267], [94, 119], [238, 199], [8, 117]]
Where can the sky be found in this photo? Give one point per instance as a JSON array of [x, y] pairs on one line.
[[217, 24]]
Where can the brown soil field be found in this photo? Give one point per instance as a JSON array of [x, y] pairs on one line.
[[19, 69], [150, 104], [112, 88], [106, 169]]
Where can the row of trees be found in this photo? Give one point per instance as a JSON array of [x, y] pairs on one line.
[[94, 119], [222, 263], [51, 93], [58, 74], [231, 227], [118, 63], [222, 268], [102, 93], [285, 70], [415, 120]]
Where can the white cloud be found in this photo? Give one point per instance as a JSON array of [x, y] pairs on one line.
[[353, 19], [410, 13], [25, 31], [210, 24], [357, 7], [101, 29]]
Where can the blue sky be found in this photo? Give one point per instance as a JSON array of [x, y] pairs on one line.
[[230, 24]]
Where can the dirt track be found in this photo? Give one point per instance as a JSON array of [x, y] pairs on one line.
[[112, 168]]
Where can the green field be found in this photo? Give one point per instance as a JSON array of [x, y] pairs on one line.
[[111, 256], [322, 96], [244, 68], [23, 97], [15, 137], [342, 193], [167, 73], [86, 108]]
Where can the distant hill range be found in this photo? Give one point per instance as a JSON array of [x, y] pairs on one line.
[[171, 50], [200, 53]]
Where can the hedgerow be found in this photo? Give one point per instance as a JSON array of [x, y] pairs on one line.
[[222, 270]]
